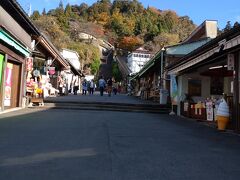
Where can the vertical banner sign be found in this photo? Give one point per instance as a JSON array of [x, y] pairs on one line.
[[209, 111], [8, 85], [1, 68], [173, 89], [230, 60]]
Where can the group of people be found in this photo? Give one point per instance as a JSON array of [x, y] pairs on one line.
[[111, 85], [88, 86]]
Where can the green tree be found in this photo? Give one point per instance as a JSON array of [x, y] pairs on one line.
[[61, 5], [228, 26], [89, 55], [61, 17], [35, 15], [68, 11], [116, 72], [44, 12]]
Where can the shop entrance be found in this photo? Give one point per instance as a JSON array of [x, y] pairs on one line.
[[204, 87], [12, 85]]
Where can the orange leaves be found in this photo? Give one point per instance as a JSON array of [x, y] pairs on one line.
[[103, 18], [130, 43]]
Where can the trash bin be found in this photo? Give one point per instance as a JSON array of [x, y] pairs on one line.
[[163, 96]]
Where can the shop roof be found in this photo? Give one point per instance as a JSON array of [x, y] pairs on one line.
[[16, 11], [53, 50], [179, 49], [183, 49], [208, 29], [214, 46]]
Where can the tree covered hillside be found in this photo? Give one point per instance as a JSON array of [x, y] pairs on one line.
[[125, 24]]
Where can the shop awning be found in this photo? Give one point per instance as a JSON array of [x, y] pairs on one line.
[[151, 64], [4, 36]]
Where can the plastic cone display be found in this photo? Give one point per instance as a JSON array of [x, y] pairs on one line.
[[222, 115]]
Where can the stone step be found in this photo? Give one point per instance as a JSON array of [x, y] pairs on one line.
[[107, 107]]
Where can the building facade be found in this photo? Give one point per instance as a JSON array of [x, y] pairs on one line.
[[209, 74], [15, 47], [137, 59]]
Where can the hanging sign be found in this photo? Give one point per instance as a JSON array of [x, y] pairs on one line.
[[29, 64], [230, 60], [36, 73], [51, 70], [8, 85]]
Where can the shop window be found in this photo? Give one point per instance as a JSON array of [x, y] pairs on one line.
[[194, 87], [216, 85]]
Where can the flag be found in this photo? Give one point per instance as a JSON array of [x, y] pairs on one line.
[[173, 89]]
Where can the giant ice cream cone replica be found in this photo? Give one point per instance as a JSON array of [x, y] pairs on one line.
[[222, 115]]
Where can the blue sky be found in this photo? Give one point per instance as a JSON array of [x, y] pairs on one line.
[[198, 11]]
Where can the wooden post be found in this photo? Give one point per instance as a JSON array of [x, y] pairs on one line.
[[235, 119]]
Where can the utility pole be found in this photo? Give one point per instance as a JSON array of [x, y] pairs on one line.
[[29, 9]]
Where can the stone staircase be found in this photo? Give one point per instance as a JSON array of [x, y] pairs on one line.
[[109, 106], [105, 69], [122, 64]]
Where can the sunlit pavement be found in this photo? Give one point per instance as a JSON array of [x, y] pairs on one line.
[[97, 145]]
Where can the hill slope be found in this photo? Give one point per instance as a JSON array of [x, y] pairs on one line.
[[125, 24]]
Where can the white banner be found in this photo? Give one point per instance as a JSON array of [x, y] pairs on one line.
[[173, 90]]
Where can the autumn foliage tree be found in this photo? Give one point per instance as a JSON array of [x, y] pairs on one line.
[[130, 43]]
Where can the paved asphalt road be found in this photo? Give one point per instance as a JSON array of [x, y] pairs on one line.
[[92, 145]]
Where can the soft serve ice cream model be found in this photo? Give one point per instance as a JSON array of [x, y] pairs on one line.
[[222, 115]]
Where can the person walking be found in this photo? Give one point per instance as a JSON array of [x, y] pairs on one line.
[[109, 86], [75, 86], [101, 84], [115, 86], [60, 85], [91, 87], [84, 87]]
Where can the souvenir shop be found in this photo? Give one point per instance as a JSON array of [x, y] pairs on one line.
[[12, 63], [208, 76]]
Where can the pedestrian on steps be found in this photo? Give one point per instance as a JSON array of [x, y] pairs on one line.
[[109, 86], [91, 87], [75, 85], [84, 87], [101, 85]]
